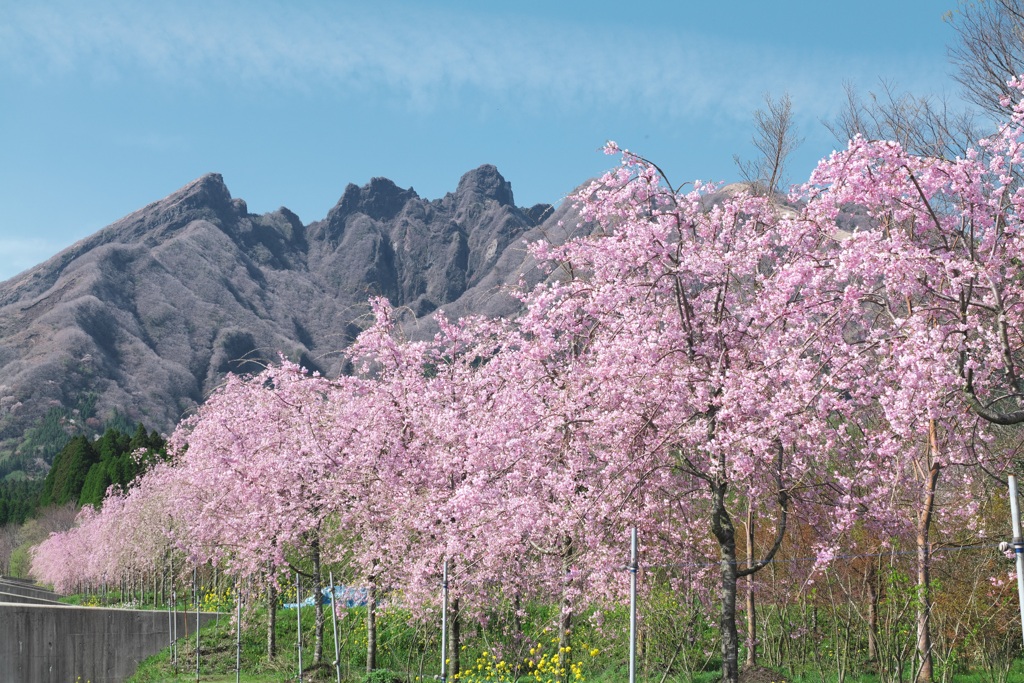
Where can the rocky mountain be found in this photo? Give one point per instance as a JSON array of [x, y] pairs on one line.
[[143, 318]]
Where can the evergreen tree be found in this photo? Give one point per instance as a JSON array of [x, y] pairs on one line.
[[68, 474], [97, 481]]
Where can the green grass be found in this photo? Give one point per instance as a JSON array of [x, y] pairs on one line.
[[412, 650], [218, 652], [217, 658]]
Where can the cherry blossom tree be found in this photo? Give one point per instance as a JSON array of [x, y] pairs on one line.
[[937, 266], [696, 322], [699, 355], [260, 475]]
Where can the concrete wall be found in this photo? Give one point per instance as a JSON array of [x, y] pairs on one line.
[[25, 599], [59, 643], [17, 579], [26, 589], [20, 591]]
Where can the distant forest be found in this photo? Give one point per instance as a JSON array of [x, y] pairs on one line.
[[82, 472], [28, 454]]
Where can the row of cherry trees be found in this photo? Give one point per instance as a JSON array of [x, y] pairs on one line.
[[696, 356]]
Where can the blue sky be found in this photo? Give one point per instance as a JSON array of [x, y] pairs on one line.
[[106, 106]]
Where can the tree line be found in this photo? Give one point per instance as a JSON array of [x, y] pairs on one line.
[[719, 369], [84, 469]]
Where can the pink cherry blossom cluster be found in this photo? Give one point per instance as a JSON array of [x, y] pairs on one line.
[[696, 354]]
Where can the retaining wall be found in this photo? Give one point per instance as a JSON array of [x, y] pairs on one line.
[[25, 589], [59, 643], [25, 599]]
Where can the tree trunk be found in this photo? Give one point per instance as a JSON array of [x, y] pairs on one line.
[[565, 618], [455, 640], [751, 613], [725, 534], [517, 617], [564, 641], [519, 636], [318, 646], [271, 620], [564, 673], [924, 603], [870, 579], [371, 626]]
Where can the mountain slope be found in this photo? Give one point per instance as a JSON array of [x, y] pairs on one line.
[[146, 315]]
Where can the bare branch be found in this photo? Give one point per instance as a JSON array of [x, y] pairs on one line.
[[924, 126], [989, 50], [775, 139]]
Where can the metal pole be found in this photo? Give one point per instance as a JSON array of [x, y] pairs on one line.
[[216, 593], [1018, 547], [238, 632], [298, 612], [174, 651], [170, 630], [195, 589], [444, 622], [334, 620], [632, 606]]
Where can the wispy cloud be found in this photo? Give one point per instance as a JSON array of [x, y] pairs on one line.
[[422, 58], [21, 253]]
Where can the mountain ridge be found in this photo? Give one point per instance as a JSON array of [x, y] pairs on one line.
[[148, 313]]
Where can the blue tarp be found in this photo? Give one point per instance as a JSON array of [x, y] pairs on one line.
[[343, 596]]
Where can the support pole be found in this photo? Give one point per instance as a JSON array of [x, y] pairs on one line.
[[298, 617], [170, 630], [444, 622], [632, 606], [195, 589], [238, 631], [216, 593], [1018, 547], [174, 650], [334, 620]]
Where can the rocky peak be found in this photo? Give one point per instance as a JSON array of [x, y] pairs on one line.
[[208, 191], [538, 213], [485, 182], [379, 199], [148, 313], [206, 198]]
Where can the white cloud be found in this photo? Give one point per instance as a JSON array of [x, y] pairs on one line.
[[425, 59]]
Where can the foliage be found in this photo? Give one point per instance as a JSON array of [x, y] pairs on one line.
[[83, 470], [382, 676], [18, 499], [56, 428], [122, 458], [69, 472], [486, 648], [47, 438], [20, 561]]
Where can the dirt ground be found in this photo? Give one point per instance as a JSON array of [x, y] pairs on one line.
[[759, 674]]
